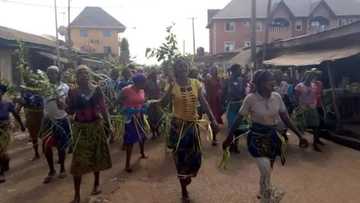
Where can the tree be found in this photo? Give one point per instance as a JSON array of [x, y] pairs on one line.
[[168, 52], [124, 52]]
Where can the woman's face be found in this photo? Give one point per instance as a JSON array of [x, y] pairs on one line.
[[269, 85], [83, 77], [181, 72]]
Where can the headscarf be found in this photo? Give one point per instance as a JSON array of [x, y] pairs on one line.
[[139, 78], [55, 68]]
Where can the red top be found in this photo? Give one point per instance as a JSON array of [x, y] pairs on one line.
[[213, 95], [86, 109], [133, 97]]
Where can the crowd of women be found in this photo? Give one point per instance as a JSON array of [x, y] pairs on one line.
[[80, 119]]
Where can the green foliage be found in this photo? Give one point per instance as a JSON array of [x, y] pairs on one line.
[[168, 52], [124, 52]]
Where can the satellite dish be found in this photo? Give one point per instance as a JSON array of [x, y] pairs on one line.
[[62, 30]]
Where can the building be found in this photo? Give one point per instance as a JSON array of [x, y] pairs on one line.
[[41, 52], [95, 31], [230, 28]]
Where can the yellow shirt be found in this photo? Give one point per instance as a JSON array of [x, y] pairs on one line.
[[185, 100]]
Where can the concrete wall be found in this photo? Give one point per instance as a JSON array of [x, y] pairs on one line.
[[6, 65], [96, 41]]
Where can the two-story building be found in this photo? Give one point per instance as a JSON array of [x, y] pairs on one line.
[[96, 31], [230, 28]]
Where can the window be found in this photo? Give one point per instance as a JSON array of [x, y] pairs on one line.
[[259, 27], [246, 23], [247, 44], [107, 33], [94, 41], [107, 50], [230, 27], [229, 46], [83, 33], [299, 26], [319, 23]]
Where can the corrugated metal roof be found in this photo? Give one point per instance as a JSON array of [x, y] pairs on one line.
[[96, 17], [15, 35], [313, 57], [300, 8]]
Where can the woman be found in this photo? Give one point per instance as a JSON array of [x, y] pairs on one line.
[[132, 99], [213, 88], [184, 95], [306, 114], [153, 92], [90, 152], [264, 107], [5, 109]]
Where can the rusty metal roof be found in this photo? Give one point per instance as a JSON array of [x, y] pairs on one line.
[[313, 57], [15, 35]]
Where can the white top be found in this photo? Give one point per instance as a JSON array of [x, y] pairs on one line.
[[263, 110], [51, 108]]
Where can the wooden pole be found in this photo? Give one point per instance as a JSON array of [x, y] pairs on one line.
[[193, 31], [267, 27], [253, 33], [69, 30], [57, 36], [333, 93]]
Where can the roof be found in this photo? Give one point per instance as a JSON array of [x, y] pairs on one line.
[[96, 17], [238, 9], [313, 57], [15, 35]]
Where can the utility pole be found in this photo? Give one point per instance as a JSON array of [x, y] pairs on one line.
[[69, 30], [57, 36], [253, 33], [267, 27], [184, 46], [193, 29]]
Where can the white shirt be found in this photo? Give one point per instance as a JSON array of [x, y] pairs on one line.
[[51, 108], [263, 110]]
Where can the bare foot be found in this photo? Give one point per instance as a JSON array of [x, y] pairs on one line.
[[143, 156], [96, 191]]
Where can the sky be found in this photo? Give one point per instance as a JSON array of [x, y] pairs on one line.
[[145, 20]]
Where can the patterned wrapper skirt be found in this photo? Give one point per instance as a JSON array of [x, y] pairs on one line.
[[263, 141], [56, 133], [33, 122], [184, 140], [4, 138], [135, 130], [306, 117], [91, 151]]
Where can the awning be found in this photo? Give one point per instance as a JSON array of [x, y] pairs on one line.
[[244, 57], [53, 57], [313, 57]]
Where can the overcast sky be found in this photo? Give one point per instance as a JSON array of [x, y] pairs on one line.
[[146, 19]]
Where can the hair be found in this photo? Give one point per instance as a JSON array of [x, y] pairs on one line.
[[260, 77], [235, 67], [3, 88]]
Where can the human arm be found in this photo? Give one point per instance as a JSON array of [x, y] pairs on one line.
[[17, 116], [207, 109]]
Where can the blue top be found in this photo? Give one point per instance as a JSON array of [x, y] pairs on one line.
[[5, 109]]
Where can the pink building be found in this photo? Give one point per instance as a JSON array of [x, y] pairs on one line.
[[230, 28]]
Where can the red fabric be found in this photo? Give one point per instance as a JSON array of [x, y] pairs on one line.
[[213, 94], [49, 142], [134, 98], [318, 88]]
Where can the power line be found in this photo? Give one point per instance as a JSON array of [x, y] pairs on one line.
[[47, 5]]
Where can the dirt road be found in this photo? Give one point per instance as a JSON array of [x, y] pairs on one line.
[[308, 177]]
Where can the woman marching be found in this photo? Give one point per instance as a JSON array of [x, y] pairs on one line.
[[264, 107], [91, 152], [132, 99], [5, 109], [184, 95]]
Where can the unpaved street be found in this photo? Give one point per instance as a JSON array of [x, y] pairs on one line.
[[329, 177]]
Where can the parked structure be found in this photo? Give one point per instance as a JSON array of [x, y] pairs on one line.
[[229, 28], [41, 52], [96, 31]]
